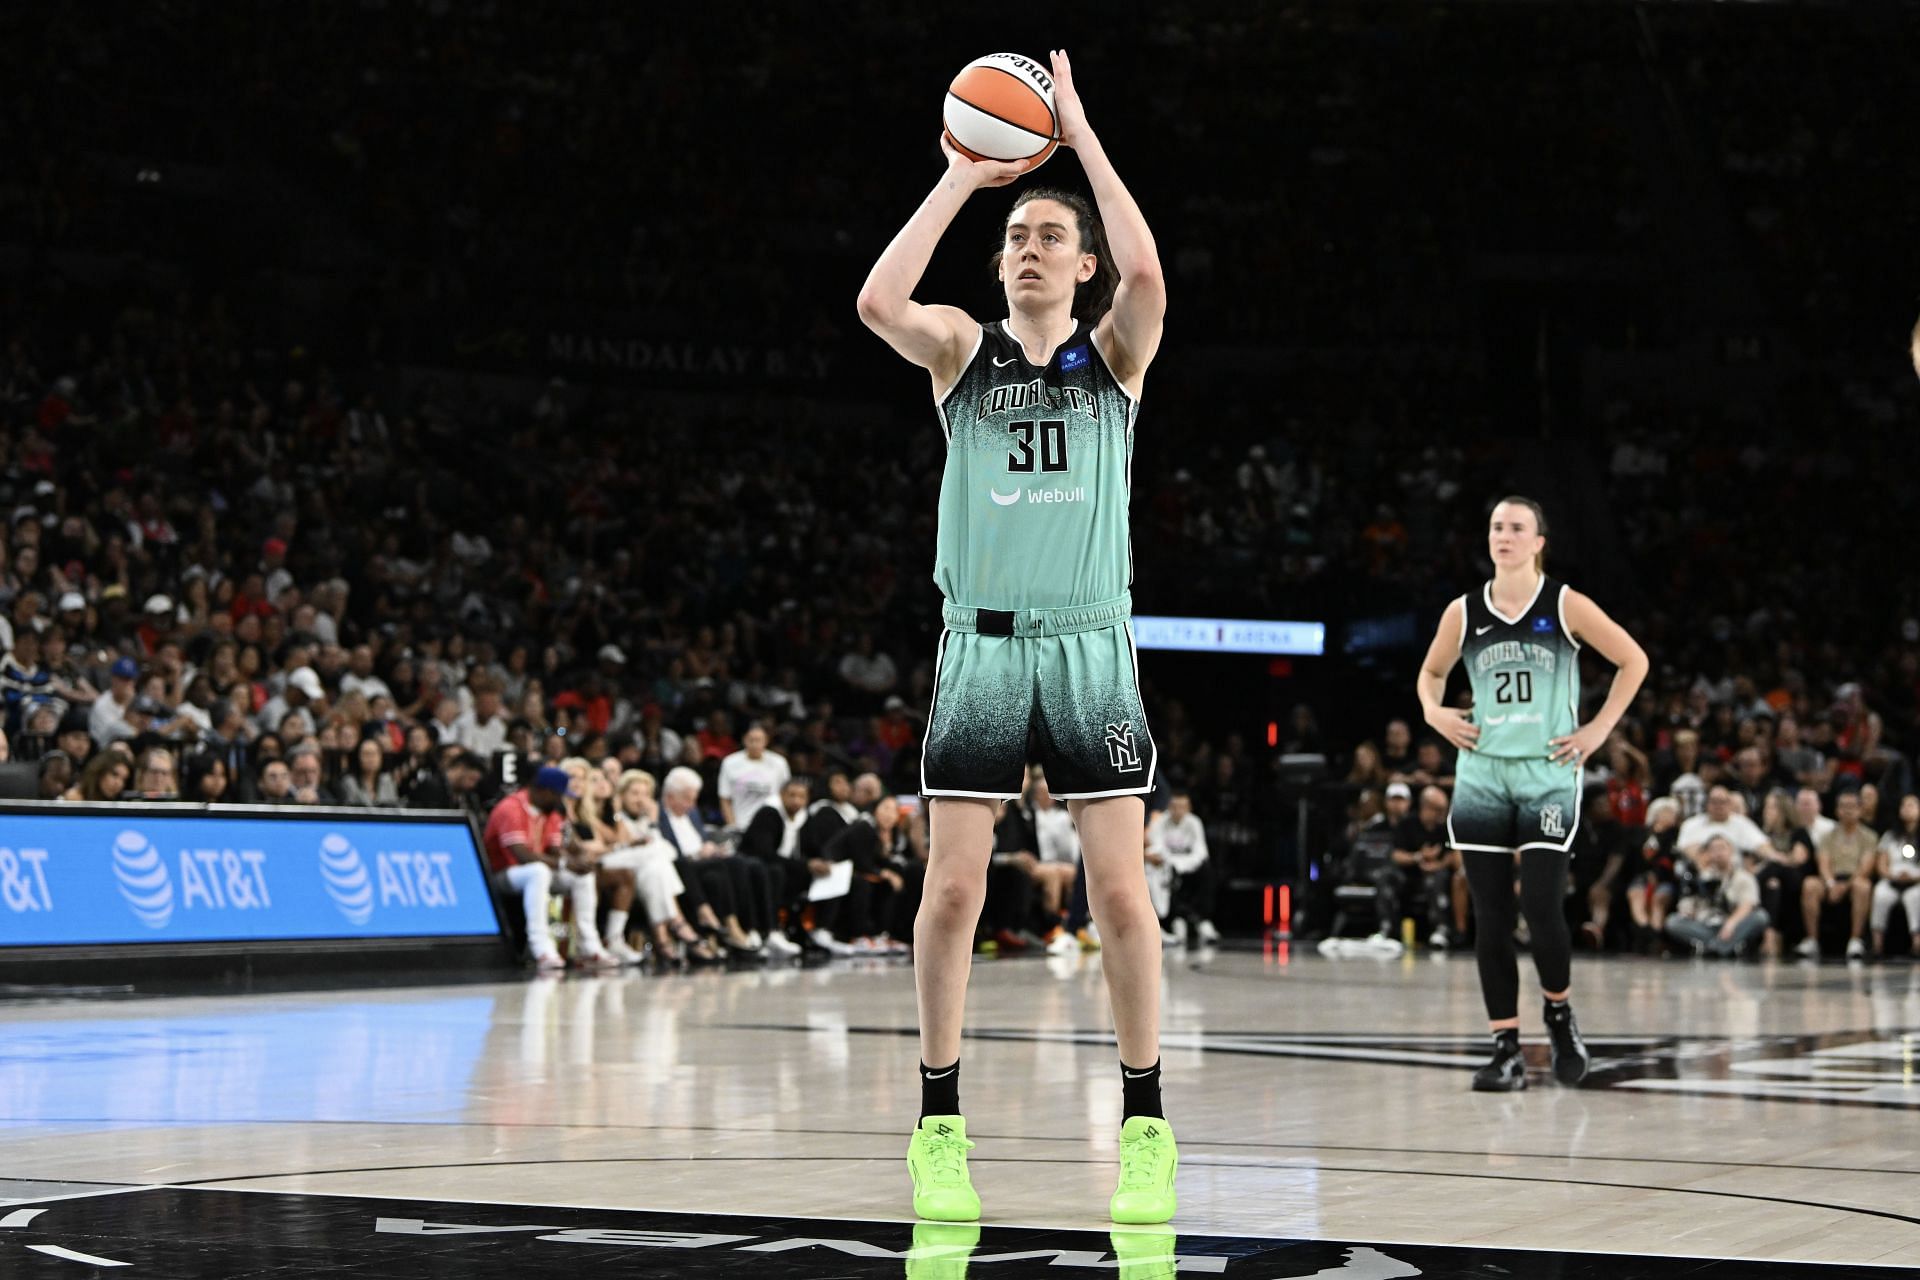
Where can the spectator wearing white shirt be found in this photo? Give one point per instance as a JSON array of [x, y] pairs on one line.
[[303, 692], [1806, 812], [870, 675], [360, 678], [1720, 820], [1179, 872], [1897, 878], [107, 721], [750, 778], [482, 729]]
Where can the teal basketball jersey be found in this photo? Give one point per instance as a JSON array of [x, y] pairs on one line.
[[1033, 501], [1525, 672]]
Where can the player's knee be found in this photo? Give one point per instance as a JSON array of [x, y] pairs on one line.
[[949, 900]]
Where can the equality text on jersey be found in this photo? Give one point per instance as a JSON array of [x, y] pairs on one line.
[[1037, 395], [1506, 651]]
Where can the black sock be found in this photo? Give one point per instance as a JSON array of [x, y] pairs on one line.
[[1556, 1008], [1140, 1092], [940, 1090], [1506, 1042]]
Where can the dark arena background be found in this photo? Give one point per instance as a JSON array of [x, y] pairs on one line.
[[400, 398]]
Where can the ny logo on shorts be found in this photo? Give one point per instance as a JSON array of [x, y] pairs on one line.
[[1550, 822], [1121, 751]]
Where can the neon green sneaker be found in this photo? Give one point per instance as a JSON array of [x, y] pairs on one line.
[[1146, 1255], [937, 1159], [1148, 1159], [941, 1249]]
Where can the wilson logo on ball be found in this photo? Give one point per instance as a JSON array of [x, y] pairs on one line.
[[1000, 107]]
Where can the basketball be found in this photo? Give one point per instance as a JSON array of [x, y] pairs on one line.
[[1000, 107]]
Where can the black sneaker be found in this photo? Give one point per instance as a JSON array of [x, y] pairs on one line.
[[1570, 1057], [1507, 1073]]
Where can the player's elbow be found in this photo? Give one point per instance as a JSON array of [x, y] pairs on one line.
[[877, 311]]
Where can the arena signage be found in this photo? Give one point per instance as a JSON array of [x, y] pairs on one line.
[[1230, 635], [147, 876]]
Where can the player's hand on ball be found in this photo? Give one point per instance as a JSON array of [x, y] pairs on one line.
[[1070, 116], [981, 173], [1456, 726]]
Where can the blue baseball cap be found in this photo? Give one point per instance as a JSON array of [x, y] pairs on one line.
[[126, 668], [553, 778]]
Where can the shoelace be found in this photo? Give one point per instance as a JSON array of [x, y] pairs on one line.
[[946, 1158], [1139, 1162]]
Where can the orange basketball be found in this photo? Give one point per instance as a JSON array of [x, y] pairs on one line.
[[1000, 107]]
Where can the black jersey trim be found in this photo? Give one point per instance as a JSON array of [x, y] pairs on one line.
[[1487, 594], [1106, 364], [1560, 609], [940, 404]]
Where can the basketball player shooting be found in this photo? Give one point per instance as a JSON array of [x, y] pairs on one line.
[[1036, 661]]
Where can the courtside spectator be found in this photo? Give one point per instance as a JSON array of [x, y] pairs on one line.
[[105, 779], [1720, 912], [750, 778], [525, 840], [1720, 819], [304, 766], [1897, 878], [1179, 872], [1843, 879]]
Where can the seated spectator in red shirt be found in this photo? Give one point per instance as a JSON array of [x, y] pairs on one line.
[[526, 844], [716, 738]]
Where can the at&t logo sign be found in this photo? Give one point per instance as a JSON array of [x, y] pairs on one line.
[[398, 878], [143, 878], [346, 878]]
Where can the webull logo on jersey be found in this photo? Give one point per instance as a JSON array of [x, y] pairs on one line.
[[1039, 497], [399, 878], [210, 879]]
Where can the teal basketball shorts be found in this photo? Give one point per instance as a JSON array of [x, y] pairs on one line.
[[1069, 703], [1502, 804]]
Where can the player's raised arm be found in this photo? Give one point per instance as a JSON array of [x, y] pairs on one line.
[[1130, 333], [935, 338]]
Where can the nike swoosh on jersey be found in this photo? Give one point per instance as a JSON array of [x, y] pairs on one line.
[[1001, 364], [1480, 631], [1006, 499]]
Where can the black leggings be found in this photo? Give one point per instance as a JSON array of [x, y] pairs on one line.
[[1543, 891]]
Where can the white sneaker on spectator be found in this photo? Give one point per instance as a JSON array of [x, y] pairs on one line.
[[625, 954], [1209, 936], [549, 960], [1168, 938], [893, 946], [1856, 949], [1440, 939], [1180, 931], [826, 939], [781, 947], [754, 940], [1063, 944], [597, 959], [1809, 949]]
